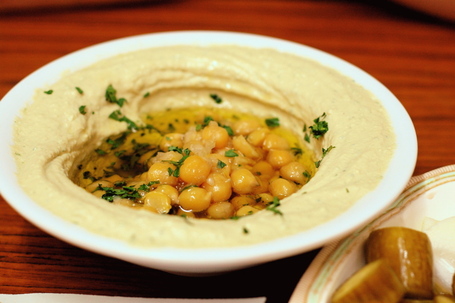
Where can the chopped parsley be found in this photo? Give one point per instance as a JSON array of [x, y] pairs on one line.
[[273, 206], [216, 98], [231, 153], [146, 187], [320, 127], [185, 152], [117, 115], [100, 151], [206, 122], [297, 151], [272, 122], [228, 129], [115, 143], [79, 90], [146, 94], [82, 109], [220, 164], [49, 92], [307, 175], [125, 192], [111, 96], [325, 151]]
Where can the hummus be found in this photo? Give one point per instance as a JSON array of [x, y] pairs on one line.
[[53, 135]]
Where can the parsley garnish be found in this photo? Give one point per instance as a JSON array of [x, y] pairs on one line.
[[126, 192], [79, 90], [220, 164], [307, 175], [297, 151], [49, 92], [273, 206], [272, 122], [118, 141], [100, 151], [231, 153], [82, 109], [111, 96], [117, 115], [185, 152], [324, 153], [216, 98], [228, 129], [206, 122], [146, 187], [320, 127]]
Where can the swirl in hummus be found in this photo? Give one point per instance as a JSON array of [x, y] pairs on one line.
[[53, 135]]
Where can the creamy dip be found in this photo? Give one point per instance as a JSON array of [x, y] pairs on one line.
[[58, 129]]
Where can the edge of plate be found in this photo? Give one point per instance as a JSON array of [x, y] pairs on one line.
[[314, 279]]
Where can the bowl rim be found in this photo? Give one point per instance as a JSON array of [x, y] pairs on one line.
[[213, 259]]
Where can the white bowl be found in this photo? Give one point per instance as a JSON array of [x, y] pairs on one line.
[[430, 195], [213, 260]]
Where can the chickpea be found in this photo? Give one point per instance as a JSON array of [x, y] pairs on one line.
[[199, 147], [265, 199], [159, 171], [274, 141], [195, 199], [91, 188], [124, 202], [256, 137], [195, 170], [114, 178], [263, 186], [246, 211], [157, 202], [279, 158], [241, 144], [168, 156], [169, 191], [240, 201], [219, 186], [98, 193], [244, 127], [293, 171], [263, 169], [220, 210], [282, 188], [243, 181], [216, 133], [136, 185], [184, 213], [220, 163], [172, 139]]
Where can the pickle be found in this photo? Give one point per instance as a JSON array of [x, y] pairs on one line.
[[375, 282], [443, 299], [409, 253]]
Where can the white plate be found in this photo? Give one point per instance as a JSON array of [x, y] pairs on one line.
[[431, 195]]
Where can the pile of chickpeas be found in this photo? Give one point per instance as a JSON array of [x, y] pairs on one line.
[[231, 166]]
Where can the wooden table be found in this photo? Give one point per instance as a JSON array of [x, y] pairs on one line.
[[411, 53]]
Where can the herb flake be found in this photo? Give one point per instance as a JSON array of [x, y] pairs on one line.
[[82, 109]]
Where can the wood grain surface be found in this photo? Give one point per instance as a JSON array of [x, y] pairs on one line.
[[410, 53]]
